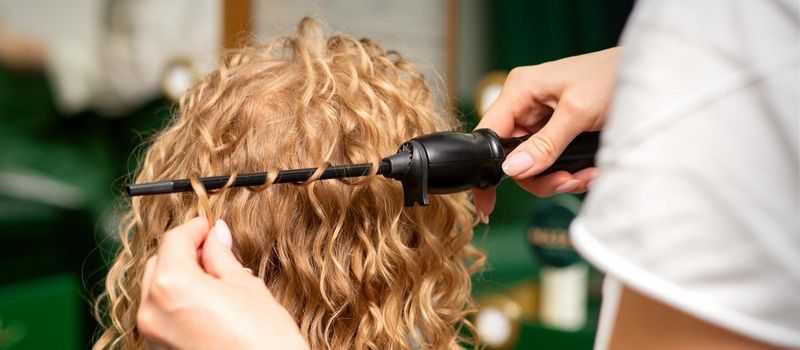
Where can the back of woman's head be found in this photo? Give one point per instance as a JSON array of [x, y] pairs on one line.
[[350, 263]]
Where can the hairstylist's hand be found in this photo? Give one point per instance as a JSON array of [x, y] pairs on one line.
[[206, 299], [576, 91], [20, 52]]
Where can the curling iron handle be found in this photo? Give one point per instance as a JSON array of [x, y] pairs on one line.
[[579, 154]]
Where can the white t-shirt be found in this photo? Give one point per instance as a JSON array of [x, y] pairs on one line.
[[697, 203]]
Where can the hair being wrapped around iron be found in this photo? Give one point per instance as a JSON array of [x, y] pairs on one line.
[[355, 268]]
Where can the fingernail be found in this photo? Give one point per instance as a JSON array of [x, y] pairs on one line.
[[590, 184], [568, 186], [223, 233], [248, 270], [483, 217], [517, 163]]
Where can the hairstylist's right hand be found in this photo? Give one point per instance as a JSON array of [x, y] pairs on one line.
[[196, 295], [553, 101]]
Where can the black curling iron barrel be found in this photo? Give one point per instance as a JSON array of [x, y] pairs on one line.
[[437, 163]]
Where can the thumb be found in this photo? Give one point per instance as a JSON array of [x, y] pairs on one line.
[[218, 259], [542, 149]]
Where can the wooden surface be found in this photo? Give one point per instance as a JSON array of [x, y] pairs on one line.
[[451, 51], [237, 15]]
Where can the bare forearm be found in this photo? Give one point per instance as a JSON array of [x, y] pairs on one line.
[[644, 323]]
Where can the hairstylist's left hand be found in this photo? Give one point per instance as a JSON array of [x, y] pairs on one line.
[[196, 295]]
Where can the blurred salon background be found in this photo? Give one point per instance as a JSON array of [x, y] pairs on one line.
[[84, 82]]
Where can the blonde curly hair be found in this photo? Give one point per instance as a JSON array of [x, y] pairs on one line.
[[355, 268]]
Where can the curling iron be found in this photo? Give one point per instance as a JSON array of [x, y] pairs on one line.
[[437, 163]]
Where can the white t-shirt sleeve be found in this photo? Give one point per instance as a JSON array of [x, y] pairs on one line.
[[698, 199]]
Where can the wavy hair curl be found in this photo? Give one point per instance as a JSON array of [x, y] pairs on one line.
[[354, 267]]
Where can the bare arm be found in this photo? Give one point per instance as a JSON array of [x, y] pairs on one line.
[[645, 323]]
